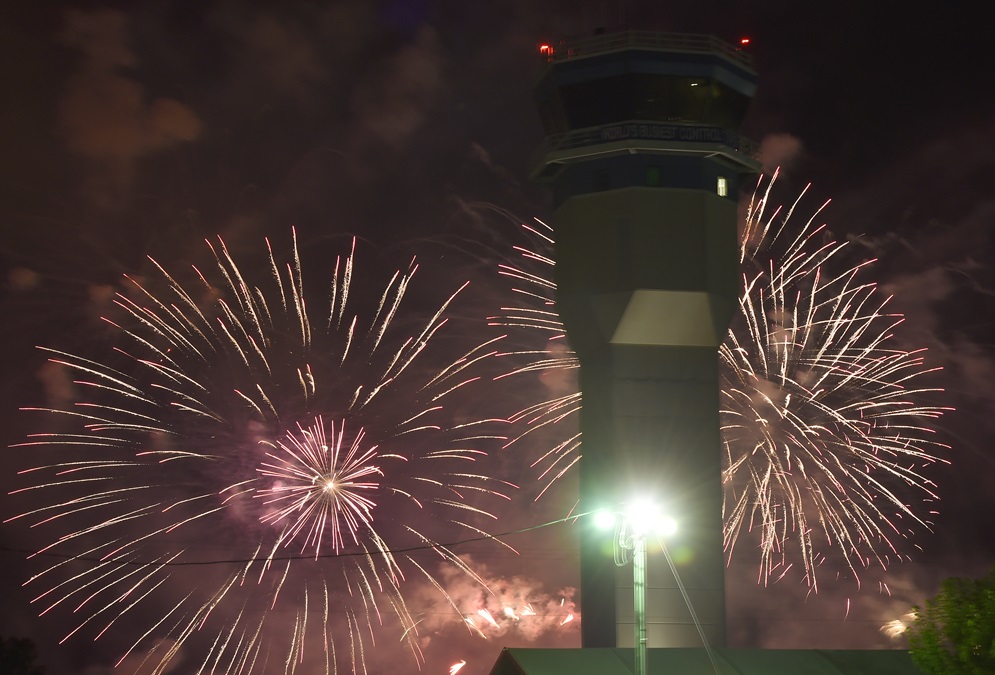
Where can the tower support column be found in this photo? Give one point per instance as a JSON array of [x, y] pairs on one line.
[[651, 429]]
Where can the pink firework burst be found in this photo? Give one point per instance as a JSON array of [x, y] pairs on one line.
[[191, 487], [317, 486]]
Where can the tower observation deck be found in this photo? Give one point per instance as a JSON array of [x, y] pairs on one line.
[[644, 159]]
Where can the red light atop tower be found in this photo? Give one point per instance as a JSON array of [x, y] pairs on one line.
[[744, 41], [546, 51]]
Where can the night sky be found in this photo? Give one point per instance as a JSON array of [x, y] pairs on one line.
[[129, 131]]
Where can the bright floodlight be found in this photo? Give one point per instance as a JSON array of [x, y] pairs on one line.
[[644, 517]]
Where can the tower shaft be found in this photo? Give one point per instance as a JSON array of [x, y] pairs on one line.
[[650, 424]]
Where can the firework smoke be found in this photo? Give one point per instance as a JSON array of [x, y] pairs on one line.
[[896, 628], [510, 606]]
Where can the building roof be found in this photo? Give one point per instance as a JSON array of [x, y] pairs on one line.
[[691, 661]]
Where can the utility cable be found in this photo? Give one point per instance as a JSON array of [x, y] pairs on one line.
[[271, 559], [694, 615]]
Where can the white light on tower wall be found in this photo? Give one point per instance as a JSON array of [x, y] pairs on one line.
[[721, 186]]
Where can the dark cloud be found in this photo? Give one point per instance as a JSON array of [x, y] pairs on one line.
[[277, 50], [398, 99], [106, 115]]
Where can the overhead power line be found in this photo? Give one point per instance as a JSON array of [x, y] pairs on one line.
[[281, 558]]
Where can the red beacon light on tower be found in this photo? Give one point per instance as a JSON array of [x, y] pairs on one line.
[[546, 51]]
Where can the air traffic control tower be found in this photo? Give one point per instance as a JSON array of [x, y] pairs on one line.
[[644, 160]]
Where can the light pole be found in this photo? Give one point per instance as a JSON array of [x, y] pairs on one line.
[[633, 524], [639, 600]]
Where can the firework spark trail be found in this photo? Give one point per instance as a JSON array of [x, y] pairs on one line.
[[225, 408], [825, 422]]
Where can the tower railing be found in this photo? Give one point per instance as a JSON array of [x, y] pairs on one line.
[[688, 136], [651, 130], [651, 40]]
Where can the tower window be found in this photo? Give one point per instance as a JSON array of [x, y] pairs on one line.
[[722, 186]]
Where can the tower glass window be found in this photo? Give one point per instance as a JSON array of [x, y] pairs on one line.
[[644, 96]]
